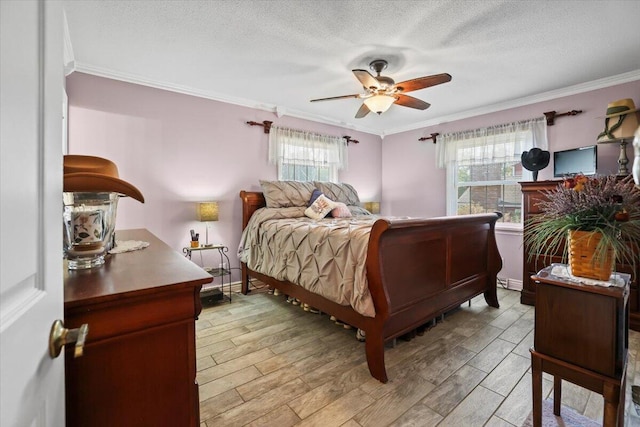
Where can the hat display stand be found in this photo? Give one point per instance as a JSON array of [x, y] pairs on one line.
[[535, 160]]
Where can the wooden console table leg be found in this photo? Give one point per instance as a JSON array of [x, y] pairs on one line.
[[611, 394], [536, 383], [623, 394], [557, 394]]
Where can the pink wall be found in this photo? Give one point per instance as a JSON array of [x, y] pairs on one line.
[[413, 185], [179, 149]]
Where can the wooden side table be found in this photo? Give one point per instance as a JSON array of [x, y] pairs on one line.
[[222, 271], [581, 335]]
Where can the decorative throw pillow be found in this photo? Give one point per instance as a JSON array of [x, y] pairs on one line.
[[285, 194], [320, 208], [316, 193], [339, 192], [340, 211]]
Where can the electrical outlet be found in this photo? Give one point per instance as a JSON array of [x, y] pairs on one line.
[[222, 266]]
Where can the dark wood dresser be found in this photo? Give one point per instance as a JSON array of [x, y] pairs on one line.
[[533, 193], [139, 363]]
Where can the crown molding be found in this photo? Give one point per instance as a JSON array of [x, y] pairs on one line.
[[528, 100], [67, 53], [280, 111], [186, 90]]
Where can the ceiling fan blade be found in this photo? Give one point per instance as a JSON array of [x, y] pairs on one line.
[[367, 80], [411, 102], [336, 97], [363, 111], [423, 82]]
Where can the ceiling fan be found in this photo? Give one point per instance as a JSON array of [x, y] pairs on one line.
[[381, 91]]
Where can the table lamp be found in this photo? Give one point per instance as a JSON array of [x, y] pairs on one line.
[[621, 122], [373, 207], [207, 212]]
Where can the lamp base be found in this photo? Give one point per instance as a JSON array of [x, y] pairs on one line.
[[208, 245], [623, 160]]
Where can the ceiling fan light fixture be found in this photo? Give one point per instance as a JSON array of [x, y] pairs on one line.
[[379, 103]]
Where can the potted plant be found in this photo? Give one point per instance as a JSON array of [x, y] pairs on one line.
[[598, 217]]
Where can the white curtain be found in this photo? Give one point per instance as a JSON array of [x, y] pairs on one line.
[[306, 148], [494, 144]]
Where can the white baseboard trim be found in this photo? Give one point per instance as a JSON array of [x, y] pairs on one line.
[[511, 284], [514, 284]]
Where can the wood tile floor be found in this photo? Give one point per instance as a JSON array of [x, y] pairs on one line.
[[264, 362]]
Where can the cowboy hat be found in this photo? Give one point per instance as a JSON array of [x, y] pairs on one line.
[[625, 124], [95, 174], [535, 159], [620, 107]]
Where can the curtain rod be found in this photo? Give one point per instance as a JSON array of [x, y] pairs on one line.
[[266, 124], [551, 115], [433, 136], [267, 129]]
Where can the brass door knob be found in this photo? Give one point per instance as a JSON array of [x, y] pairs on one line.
[[60, 336]]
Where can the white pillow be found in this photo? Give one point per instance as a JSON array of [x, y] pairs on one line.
[[320, 208], [340, 211]]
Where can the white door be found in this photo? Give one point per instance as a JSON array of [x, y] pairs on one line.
[[31, 293]]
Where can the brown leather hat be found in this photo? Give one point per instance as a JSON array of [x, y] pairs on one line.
[[95, 174]]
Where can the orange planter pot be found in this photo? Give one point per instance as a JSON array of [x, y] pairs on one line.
[[582, 259]]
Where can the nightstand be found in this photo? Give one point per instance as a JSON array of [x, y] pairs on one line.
[[581, 335], [214, 292]]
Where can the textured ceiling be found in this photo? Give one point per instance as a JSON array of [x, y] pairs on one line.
[[277, 55]]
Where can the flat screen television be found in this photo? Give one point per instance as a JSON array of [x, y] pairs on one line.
[[577, 160]]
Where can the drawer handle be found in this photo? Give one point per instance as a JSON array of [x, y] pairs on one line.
[[60, 336]]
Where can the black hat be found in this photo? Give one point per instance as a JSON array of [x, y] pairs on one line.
[[535, 159]]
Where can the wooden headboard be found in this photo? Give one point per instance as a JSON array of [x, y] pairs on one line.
[[251, 202]]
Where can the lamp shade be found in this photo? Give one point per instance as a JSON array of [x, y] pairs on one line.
[[624, 130], [373, 207], [379, 103], [207, 211]]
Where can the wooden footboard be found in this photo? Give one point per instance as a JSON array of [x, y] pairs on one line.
[[417, 269]]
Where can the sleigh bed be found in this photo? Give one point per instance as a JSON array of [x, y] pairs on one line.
[[416, 270]]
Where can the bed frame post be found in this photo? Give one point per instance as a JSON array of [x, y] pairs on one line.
[[251, 202], [495, 265], [244, 279], [374, 348]]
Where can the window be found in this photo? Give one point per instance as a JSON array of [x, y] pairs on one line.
[[306, 156], [484, 168]]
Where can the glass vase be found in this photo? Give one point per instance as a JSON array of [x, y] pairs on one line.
[[89, 221]]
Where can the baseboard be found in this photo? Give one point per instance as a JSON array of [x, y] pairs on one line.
[[511, 284]]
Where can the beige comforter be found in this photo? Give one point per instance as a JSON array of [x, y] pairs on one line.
[[327, 257]]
